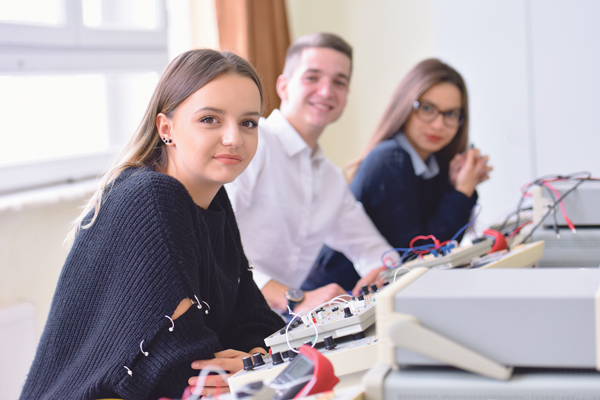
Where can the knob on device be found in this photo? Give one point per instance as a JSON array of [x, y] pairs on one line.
[[258, 360], [248, 364], [365, 289], [277, 359], [347, 312], [330, 343]]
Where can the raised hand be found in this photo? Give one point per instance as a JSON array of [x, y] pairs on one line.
[[468, 170]]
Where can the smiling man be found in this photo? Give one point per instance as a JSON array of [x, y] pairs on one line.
[[291, 199]]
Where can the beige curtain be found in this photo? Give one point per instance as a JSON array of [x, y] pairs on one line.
[[258, 31]]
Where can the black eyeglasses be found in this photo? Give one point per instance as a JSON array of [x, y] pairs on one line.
[[427, 112]]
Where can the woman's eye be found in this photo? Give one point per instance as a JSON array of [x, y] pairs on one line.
[[453, 114], [209, 120], [249, 123], [426, 108]]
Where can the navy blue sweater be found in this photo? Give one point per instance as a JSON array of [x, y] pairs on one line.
[[150, 248], [401, 205]]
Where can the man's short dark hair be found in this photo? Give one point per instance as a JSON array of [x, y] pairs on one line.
[[319, 39]]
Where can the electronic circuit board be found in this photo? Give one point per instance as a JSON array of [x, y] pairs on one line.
[[332, 320], [455, 257], [349, 357]]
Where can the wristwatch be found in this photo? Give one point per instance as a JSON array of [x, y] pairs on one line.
[[294, 296]]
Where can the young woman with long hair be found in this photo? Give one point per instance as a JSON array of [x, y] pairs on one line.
[[156, 277], [416, 175]]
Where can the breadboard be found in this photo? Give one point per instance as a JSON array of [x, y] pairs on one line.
[[332, 322], [457, 256]]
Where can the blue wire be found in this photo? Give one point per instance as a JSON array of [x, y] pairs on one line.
[[405, 251], [443, 249], [472, 220]]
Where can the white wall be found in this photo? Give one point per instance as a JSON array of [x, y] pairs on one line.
[[32, 252], [487, 45], [531, 68], [565, 61]]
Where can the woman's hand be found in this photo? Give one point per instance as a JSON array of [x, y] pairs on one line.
[[455, 164], [229, 361], [469, 169]]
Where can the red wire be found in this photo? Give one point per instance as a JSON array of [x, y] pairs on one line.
[[546, 182], [421, 237], [518, 229], [387, 259], [529, 184], [562, 206]]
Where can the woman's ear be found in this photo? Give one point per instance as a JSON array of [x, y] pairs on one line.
[[163, 125]]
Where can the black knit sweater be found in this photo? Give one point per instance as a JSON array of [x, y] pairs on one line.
[[150, 247]]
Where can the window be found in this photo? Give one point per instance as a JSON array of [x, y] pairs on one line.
[[75, 78]]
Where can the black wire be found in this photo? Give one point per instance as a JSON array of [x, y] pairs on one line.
[[539, 182], [554, 221], [506, 219], [504, 230], [551, 208]]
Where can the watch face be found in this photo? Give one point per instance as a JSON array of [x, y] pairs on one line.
[[295, 295]]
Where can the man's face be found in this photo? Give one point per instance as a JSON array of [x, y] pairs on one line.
[[315, 94]]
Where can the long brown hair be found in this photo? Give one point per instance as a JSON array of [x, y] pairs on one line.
[[419, 79], [185, 75]]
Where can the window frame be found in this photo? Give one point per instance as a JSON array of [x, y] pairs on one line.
[[72, 48]]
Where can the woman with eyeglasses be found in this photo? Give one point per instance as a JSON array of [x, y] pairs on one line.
[[417, 175]]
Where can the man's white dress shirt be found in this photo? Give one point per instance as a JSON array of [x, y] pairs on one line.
[[290, 201]]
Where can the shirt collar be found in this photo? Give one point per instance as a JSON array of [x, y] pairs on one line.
[[425, 169], [290, 139]]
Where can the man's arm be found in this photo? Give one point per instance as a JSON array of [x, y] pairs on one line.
[[274, 293], [355, 235]]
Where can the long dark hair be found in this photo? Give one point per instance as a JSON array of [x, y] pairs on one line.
[[419, 79], [185, 75]]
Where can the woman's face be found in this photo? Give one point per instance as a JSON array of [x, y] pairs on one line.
[[214, 132], [430, 137]]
